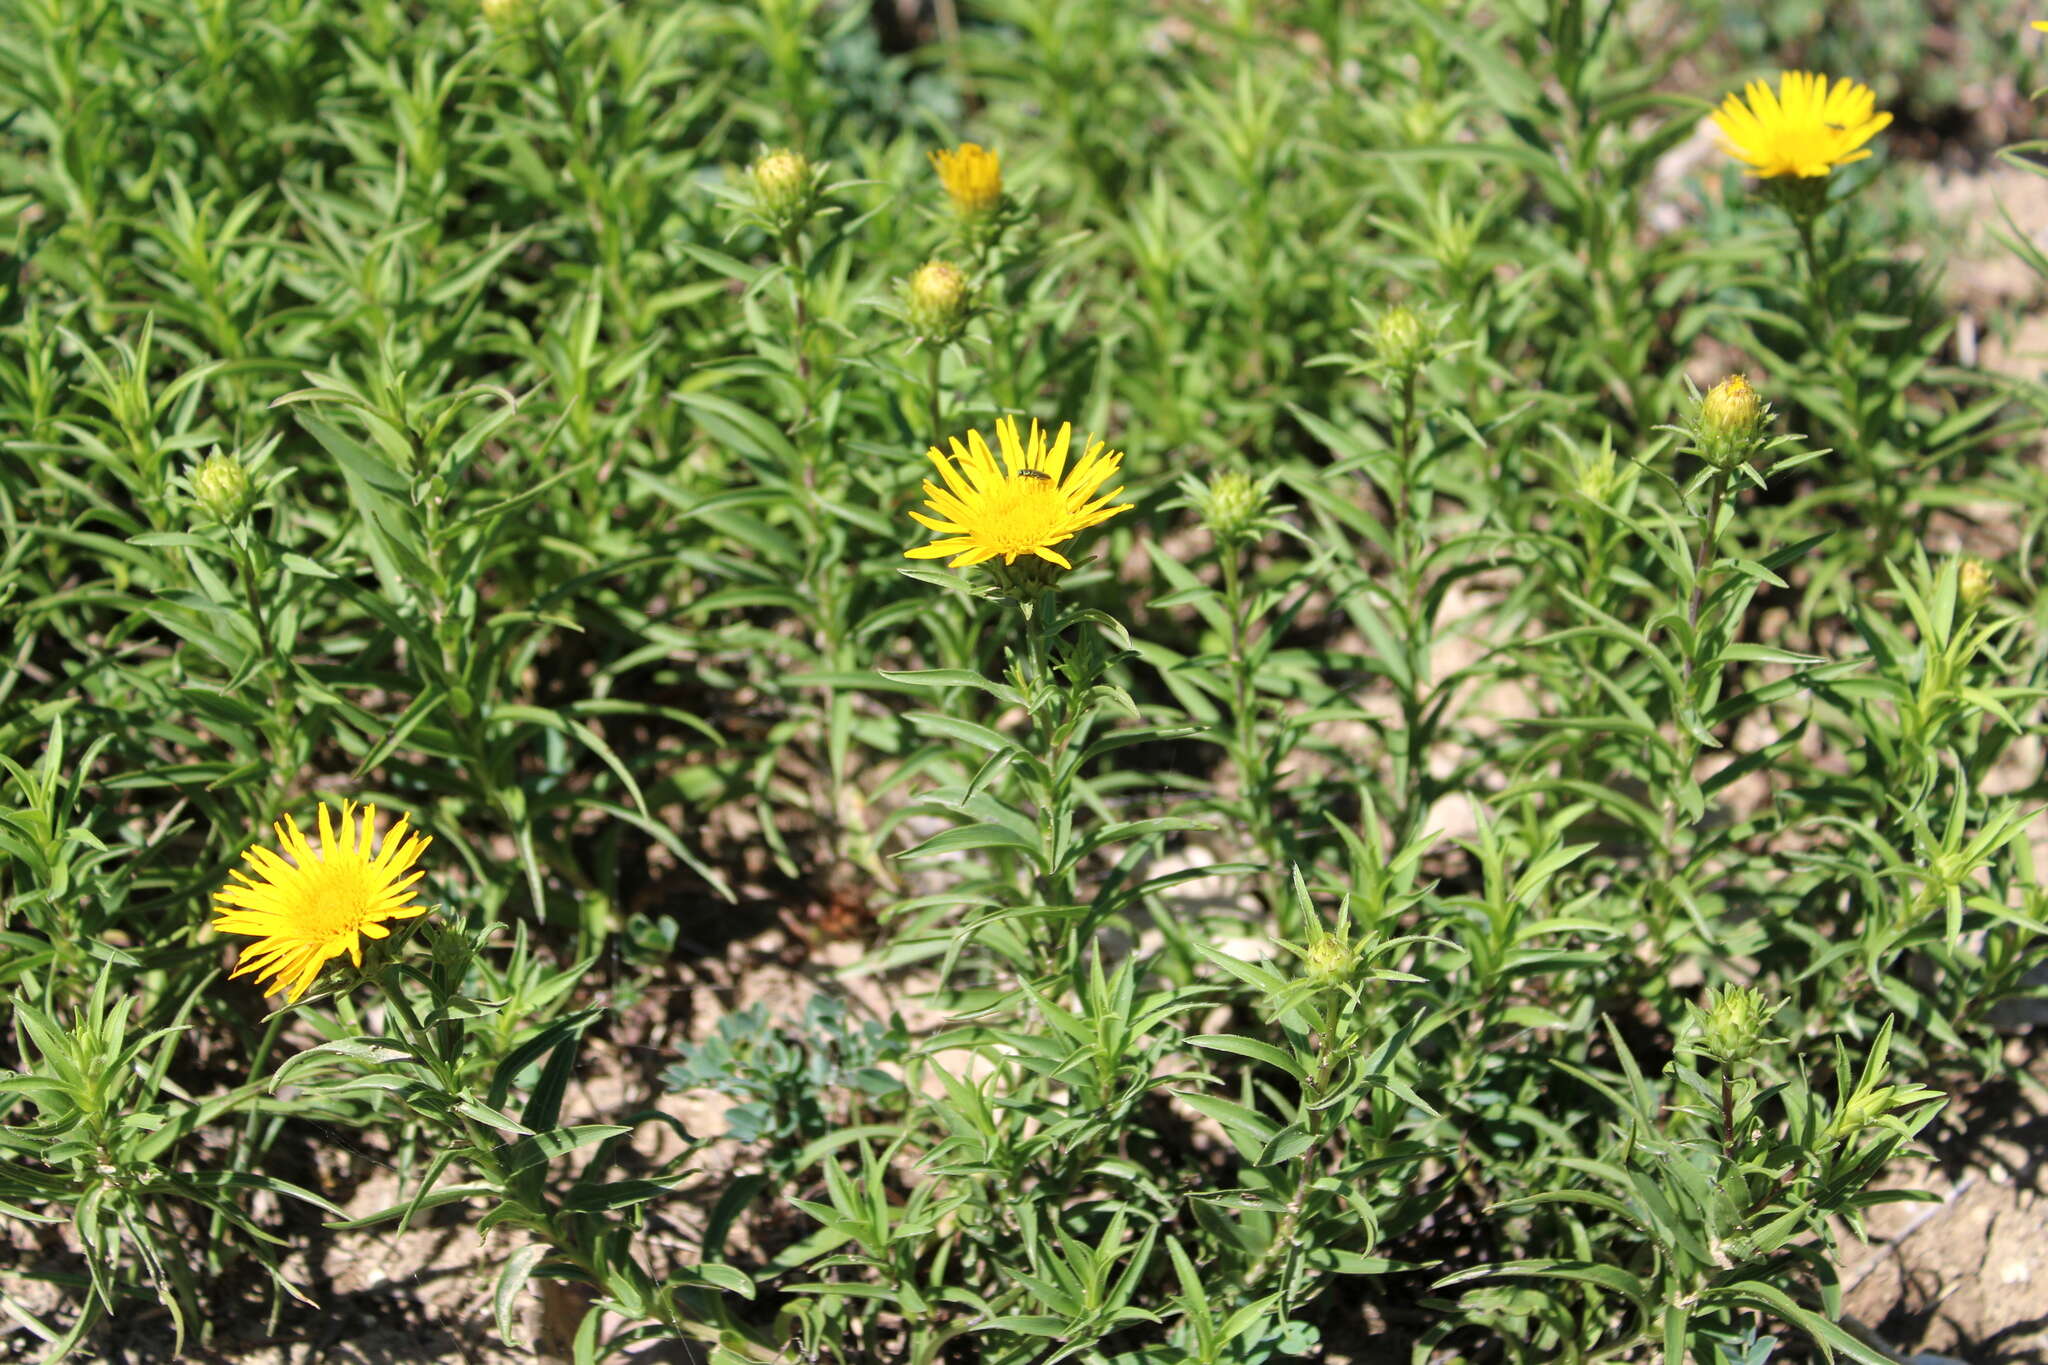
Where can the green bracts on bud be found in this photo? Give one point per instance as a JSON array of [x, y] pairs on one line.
[[937, 300], [1730, 425], [222, 490], [1973, 583], [1233, 505], [1732, 1023], [1330, 959], [1875, 1105], [1401, 340], [785, 187]]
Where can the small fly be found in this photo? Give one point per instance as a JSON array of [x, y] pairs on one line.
[[1034, 474]]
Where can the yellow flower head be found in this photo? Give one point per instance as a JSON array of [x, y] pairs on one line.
[[1025, 505], [323, 902], [1806, 129], [1731, 408], [973, 177]]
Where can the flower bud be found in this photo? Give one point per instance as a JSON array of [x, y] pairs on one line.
[[1402, 341], [1973, 583], [503, 13], [1731, 409], [451, 949], [1873, 1105], [1423, 120], [973, 179], [222, 490], [936, 299], [1397, 339], [1597, 476], [1729, 426], [783, 185], [1330, 959], [1732, 1023], [1232, 506], [1454, 242]]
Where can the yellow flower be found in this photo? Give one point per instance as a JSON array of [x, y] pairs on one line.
[[1024, 506], [973, 177], [1806, 129], [323, 902]]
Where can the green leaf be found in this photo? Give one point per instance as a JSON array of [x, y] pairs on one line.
[[511, 1280]]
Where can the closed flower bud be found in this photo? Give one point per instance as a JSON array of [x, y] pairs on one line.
[[1598, 476], [1867, 1107], [783, 184], [1398, 339], [1331, 959], [1731, 409], [1731, 423], [973, 179], [1973, 583], [1732, 1023], [451, 949], [222, 490], [936, 299], [1232, 506], [1423, 121]]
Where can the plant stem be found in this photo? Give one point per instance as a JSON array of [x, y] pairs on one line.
[[1313, 1091], [1709, 539], [1251, 770], [1727, 1112], [793, 261], [1404, 476]]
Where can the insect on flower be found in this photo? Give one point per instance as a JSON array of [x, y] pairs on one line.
[[1024, 502]]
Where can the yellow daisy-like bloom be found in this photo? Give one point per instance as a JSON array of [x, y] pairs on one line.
[[322, 903], [973, 177], [1025, 505], [1805, 129]]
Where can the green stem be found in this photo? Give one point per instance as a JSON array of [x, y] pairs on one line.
[[1404, 476], [1240, 677], [1848, 391], [793, 260], [579, 160], [246, 563], [1251, 770], [1709, 537], [1727, 1113], [1314, 1090]]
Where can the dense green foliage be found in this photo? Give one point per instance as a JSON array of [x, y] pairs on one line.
[[1485, 860]]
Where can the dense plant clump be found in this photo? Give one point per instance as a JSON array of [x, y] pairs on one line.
[[1372, 665]]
